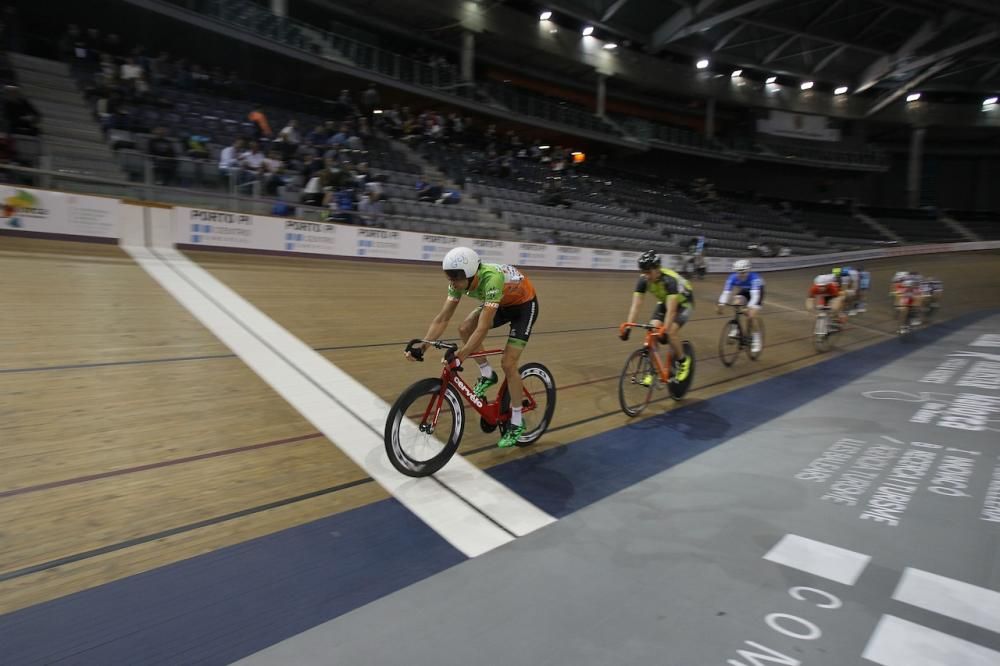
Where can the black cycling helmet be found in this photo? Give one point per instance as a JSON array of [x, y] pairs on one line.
[[649, 259]]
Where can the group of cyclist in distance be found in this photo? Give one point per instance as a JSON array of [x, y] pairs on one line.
[[507, 296], [844, 290]]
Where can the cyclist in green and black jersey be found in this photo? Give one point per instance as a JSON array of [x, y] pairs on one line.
[[675, 303]]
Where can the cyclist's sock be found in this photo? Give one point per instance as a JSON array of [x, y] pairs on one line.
[[515, 416], [485, 370]]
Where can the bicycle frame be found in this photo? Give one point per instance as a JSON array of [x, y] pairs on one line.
[[651, 344], [490, 411]]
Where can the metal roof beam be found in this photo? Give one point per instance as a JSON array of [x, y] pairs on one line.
[[679, 25], [935, 63], [802, 33], [677, 21], [884, 66], [893, 95], [828, 58], [613, 9], [990, 73], [728, 37]]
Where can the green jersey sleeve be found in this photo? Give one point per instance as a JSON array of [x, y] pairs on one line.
[[454, 294]]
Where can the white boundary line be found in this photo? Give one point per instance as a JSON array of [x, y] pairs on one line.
[[465, 506]]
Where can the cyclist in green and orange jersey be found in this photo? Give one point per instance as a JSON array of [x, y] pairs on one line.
[[507, 297]]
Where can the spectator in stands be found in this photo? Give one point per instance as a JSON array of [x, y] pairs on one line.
[[164, 157], [133, 79], [289, 139], [273, 173], [317, 183], [262, 129], [253, 158], [198, 152], [354, 142], [317, 137], [370, 208], [197, 147], [229, 160], [339, 139], [428, 192], [21, 115]]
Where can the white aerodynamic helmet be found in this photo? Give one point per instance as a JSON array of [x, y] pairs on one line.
[[461, 261], [899, 276], [741, 265], [823, 280]]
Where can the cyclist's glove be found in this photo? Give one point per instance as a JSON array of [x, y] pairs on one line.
[[624, 331]]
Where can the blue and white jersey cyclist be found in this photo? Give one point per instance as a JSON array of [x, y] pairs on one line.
[[744, 287]]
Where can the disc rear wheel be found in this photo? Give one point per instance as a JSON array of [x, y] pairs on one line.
[[539, 384]]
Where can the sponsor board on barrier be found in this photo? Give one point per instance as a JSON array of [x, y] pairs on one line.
[[384, 244], [433, 247], [222, 229], [492, 251], [41, 211], [604, 259], [207, 227], [312, 237], [568, 256], [535, 254]]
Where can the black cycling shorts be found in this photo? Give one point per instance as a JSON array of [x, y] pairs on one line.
[[683, 312], [521, 319]]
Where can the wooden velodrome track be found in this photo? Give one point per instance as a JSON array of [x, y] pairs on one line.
[[131, 438]]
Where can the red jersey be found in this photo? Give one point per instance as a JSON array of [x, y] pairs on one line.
[[829, 291]]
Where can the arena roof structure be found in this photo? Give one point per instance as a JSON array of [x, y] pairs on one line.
[[888, 47]]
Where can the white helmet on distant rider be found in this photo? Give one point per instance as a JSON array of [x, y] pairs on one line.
[[461, 262], [823, 280], [741, 265]]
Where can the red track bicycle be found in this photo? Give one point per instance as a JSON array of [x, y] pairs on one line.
[[425, 425]]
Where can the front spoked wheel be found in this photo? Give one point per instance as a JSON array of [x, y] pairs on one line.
[[729, 342], [539, 402], [755, 327], [821, 334], [678, 388], [423, 429], [635, 386]]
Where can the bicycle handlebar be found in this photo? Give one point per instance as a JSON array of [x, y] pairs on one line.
[[648, 327], [413, 348]]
